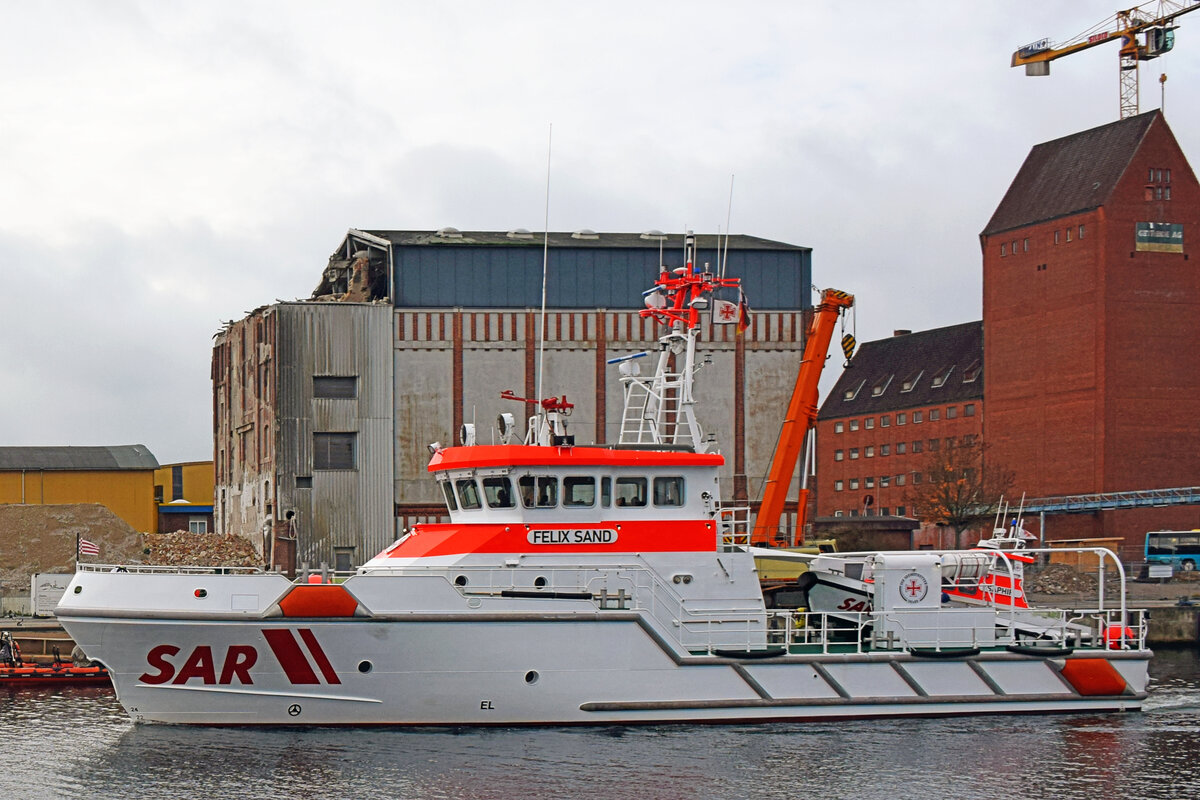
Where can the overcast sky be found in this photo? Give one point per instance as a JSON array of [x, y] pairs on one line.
[[167, 166]]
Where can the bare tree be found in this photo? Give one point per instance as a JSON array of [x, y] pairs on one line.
[[958, 486]]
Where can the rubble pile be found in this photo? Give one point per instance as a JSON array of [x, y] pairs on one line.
[[183, 549], [1061, 579]]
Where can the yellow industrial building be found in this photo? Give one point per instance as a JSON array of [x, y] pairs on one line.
[[121, 477], [184, 494]]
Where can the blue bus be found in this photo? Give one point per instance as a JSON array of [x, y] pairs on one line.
[[1180, 549]]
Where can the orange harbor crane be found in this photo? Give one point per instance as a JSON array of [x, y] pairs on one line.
[[801, 417], [1154, 26]]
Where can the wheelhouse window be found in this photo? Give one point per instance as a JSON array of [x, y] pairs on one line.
[[579, 491], [631, 492], [606, 491], [498, 492], [448, 490], [668, 491], [538, 491], [468, 494]]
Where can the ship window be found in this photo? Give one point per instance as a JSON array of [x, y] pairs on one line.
[[631, 492], [579, 491], [606, 491], [539, 492], [498, 492], [668, 491], [448, 490], [468, 494]]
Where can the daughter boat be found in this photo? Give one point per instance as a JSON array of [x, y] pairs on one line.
[[593, 585]]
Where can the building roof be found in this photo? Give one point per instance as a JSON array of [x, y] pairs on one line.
[[909, 370], [117, 457], [1070, 175], [451, 237], [448, 268]]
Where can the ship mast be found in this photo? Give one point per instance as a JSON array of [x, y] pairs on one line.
[[660, 411]]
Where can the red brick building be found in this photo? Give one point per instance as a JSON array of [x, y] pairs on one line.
[[899, 400], [1091, 314]]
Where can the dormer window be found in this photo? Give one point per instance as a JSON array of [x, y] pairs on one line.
[[909, 383], [971, 372], [940, 379], [852, 393], [881, 386]]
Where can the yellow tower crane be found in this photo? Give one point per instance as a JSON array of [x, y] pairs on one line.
[[1150, 21]]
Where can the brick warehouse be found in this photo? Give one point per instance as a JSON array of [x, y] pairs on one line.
[[323, 408], [1091, 317], [899, 400]]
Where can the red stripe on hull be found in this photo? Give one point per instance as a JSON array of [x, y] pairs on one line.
[[314, 647], [646, 536], [291, 657]]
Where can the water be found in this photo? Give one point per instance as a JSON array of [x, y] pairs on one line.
[[70, 743]]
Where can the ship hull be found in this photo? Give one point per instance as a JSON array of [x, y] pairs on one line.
[[549, 669]]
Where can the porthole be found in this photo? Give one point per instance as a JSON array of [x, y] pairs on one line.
[[78, 589], [461, 580], [539, 582], [531, 677], [365, 666]]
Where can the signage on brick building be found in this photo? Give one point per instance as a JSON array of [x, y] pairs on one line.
[[1159, 237]]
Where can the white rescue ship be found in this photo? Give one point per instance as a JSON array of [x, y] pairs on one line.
[[597, 586]]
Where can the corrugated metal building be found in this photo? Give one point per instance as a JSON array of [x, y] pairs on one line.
[[120, 477], [323, 409]]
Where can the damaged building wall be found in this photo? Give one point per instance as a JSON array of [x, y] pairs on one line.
[[244, 380], [303, 432]]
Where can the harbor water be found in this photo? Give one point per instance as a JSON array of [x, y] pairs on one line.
[[78, 742]]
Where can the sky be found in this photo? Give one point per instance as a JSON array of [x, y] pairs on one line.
[[165, 167]]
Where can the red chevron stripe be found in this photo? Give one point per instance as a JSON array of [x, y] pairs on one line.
[[318, 655], [290, 656]]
